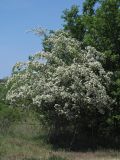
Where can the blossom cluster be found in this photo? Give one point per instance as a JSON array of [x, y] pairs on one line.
[[68, 80]]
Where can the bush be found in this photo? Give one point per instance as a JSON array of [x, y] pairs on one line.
[[69, 88], [8, 114], [7, 117]]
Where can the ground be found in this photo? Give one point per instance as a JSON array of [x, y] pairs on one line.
[[26, 141]]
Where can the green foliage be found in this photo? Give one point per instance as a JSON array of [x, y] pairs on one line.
[[100, 26], [8, 115], [88, 7], [74, 22], [3, 90], [104, 30]]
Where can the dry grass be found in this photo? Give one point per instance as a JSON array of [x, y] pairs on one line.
[[22, 142], [97, 155]]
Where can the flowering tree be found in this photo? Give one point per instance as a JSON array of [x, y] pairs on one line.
[[67, 83]]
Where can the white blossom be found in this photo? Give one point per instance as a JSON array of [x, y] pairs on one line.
[[70, 79]]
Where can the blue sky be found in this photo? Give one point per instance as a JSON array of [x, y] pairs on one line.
[[19, 16]]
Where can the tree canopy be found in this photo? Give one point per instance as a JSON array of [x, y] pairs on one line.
[[97, 26]]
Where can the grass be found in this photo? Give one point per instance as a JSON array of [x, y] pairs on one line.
[[24, 141]]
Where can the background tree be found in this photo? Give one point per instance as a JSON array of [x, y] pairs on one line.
[[98, 26], [100, 20], [74, 22]]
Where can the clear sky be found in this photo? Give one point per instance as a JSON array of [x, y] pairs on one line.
[[19, 16]]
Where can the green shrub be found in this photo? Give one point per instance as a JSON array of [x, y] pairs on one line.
[[8, 116]]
